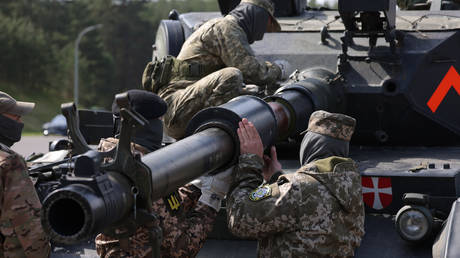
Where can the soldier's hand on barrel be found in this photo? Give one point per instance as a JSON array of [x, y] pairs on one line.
[[250, 142], [272, 165]]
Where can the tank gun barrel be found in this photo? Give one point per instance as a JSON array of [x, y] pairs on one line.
[[183, 161], [79, 210], [213, 142], [106, 199]]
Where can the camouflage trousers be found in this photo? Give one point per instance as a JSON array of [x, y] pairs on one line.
[[137, 245], [184, 231], [212, 90]]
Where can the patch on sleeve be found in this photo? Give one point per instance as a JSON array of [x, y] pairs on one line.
[[260, 193], [173, 202]]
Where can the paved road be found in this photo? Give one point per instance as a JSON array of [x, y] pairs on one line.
[[31, 144]]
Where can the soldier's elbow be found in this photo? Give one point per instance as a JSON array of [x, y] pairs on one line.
[[240, 227]]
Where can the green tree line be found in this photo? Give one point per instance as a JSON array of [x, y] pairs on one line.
[[37, 40]]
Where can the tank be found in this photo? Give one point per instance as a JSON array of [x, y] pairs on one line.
[[394, 71], [398, 70]]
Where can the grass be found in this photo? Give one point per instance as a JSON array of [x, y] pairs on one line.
[[45, 109], [26, 133]]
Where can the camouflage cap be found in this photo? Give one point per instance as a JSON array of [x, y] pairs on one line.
[[269, 6], [9, 105], [335, 125]]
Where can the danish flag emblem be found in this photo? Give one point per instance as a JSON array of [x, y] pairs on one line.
[[377, 192]]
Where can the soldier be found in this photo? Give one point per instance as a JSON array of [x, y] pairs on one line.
[[213, 64], [315, 212], [186, 216], [21, 231]]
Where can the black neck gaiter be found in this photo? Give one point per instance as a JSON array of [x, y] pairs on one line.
[[252, 19], [10, 130], [150, 136], [316, 146]]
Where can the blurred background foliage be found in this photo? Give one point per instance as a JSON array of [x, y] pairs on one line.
[[37, 49]]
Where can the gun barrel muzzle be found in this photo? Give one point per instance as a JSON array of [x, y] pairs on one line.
[[77, 211]]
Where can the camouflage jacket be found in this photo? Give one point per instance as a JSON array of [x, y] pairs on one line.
[[185, 223], [221, 43], [310, 213], [22, 234]]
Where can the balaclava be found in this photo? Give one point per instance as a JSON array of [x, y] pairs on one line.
[[252, 19], [10, 130]]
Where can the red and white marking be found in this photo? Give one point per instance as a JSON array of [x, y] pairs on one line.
[[377, 192]]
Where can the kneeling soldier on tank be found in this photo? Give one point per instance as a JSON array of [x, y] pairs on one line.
[[213, 64]]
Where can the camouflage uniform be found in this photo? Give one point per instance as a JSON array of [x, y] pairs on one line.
[[22, 234], [220, 46], [315, 212], [184, 230]]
